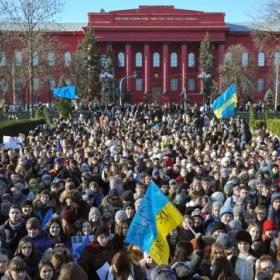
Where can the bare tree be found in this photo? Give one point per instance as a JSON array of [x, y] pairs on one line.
[[234, 70], [28, 23]]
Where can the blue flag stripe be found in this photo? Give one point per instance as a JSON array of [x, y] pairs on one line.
[[226, 95]]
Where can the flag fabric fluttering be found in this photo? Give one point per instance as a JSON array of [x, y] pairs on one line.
[[153, 221], [65, 92], [224, 106]]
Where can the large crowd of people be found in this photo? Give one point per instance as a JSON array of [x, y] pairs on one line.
[[69, 194]]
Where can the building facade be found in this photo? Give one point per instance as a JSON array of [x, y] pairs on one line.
[[161, 44]]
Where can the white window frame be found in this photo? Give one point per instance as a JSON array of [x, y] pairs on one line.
[[36, 84], [3, 59], [121, 59], [138, 59], [174, 83], [103, 60], [156, 59], [51, 83], [173, 59], [191, 84], [18, 58], [138, 84], [261, 59], [277, 57], [35, 59], [191, 60], [260, 85], [51, 59], [67, 59], [228, 56], [245, 59], [3, 84]]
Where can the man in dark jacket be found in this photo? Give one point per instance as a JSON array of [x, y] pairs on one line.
[[13, 229]]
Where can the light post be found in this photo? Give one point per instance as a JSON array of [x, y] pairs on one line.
[[121, 83], [104, 76], [203, 76], [276, 85]]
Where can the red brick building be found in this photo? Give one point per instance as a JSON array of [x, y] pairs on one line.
[[162, 44]]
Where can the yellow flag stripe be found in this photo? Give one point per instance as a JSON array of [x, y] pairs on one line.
[[167, 220], [219, 111]]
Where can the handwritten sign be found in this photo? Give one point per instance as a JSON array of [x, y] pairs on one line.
[[10, 142]]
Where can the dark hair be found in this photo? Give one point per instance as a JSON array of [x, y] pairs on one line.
[[163, 272], [222, 269], [121, 265], [5, 252], [72, 271], [182, 251], [17, 264]]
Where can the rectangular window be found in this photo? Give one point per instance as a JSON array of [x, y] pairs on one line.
[[18, 84], [260, 85], [36, 84], [67, 59], [35, 59], [3, 85], [138, 84], [51, 84], [68, 82], [51, 59], [18, 58], [103, 59], [191, 84], [2, 59], [174, 84]]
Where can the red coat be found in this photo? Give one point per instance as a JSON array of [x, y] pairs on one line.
[[94, 256]]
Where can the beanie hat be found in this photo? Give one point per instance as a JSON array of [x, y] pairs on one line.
[[268, 225], [6, 196], [197, 213], [120, 215], [127, 196], [243, 236], [68, 215], [26, 203], [237, 210], [217, 196], [33, 181], [275, 196], [218, 226], [113, 192], [226, 209], [234, 224], [33, 223], [101, 230], [225, 240]]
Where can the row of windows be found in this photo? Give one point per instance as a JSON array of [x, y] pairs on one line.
[[36, 84], [18, 59], [174, 84], [192, 59], [156, 59], [261, 58]]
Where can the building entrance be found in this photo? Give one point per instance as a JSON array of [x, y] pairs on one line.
[[156, 94]]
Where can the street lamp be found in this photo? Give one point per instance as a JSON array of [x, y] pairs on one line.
[[203, 76], [134, 75], [104, 76], [276, 85]]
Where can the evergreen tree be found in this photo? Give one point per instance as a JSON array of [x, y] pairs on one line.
[[206, 60], [88, 68], [268, 99]]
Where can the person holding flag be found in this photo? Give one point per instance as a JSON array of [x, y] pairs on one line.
[[154, 220]]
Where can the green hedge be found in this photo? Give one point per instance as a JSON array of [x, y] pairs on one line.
[[14, 127], [273, 126]]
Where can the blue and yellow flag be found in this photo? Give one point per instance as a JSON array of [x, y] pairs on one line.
[[223, 106], [153, 221]]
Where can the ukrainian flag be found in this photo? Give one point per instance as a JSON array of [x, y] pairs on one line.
[[153, 221], [223, 107]]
